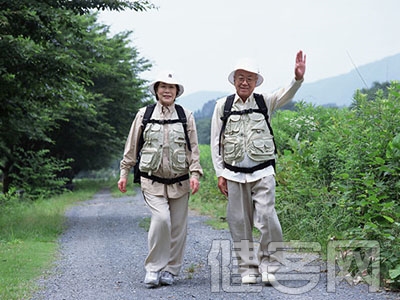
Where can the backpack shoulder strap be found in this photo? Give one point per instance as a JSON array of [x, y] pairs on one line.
[[227, 112], [227, 108], [183, 120], [146, 118], [261, 104], [264, 110], [147, 114], [181, 113]]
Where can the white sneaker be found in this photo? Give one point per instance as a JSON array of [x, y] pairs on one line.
[[249, 279], [166, 278], [152, 279], [268, 278]]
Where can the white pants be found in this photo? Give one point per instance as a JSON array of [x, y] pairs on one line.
[[253, 204], [167, 233]]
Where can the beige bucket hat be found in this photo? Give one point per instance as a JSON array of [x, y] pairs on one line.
[[166, 77], [248, 65]]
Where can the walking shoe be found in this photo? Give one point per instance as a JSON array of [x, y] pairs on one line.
[[268, 278], [152, 279], [249, 279], [166, 278]]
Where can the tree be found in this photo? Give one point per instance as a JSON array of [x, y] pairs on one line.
[[43, 75], [93, 136], [371, 92]]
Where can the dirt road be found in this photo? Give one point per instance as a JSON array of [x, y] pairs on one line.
[[103, 249]]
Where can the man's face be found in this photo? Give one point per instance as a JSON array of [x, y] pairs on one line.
[[245, 83], [166, 93]]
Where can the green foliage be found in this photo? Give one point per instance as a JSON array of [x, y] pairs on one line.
[[371, 92], [62, 80], [84, 6], [203, 131], [145, 223], [345, 173], [209, 200], [35, 174], [338, 175]]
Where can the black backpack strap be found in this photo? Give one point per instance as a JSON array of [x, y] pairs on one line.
[[183, 120], [148, 113], [228, 107], [264, 110], [146, 119], [250, 170], [224, 118], [165, 180]]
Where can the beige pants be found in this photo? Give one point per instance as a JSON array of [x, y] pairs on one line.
[[167, 233], [253, 204]]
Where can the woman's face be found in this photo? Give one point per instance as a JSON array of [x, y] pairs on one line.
[[166, 93]]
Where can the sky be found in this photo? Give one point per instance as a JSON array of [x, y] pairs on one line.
[[201, 41]]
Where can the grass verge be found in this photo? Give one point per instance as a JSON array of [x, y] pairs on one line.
[[28, 238]]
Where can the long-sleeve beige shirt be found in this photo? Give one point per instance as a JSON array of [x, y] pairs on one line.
[[193, 157], [273, 101]]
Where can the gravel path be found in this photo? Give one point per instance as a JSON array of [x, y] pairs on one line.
[[103, 249]]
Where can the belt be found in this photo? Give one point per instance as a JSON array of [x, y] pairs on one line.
[[261, 166], [165, 180]]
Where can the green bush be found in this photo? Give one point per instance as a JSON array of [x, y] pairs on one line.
[[36, 174], [337, 176]]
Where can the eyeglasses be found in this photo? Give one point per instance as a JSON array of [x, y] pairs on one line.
[[249, 79]]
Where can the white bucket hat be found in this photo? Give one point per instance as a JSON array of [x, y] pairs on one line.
[[166, 77], [248, 65]]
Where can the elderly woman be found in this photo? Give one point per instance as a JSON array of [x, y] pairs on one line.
[[169, 170]]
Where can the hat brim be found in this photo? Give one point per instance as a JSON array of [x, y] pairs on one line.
[[152, 90], [231, 78]]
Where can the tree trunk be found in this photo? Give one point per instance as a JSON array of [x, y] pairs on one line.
[[6, 177]]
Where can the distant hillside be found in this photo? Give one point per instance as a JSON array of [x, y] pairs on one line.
[[195, 101], [338, 90]]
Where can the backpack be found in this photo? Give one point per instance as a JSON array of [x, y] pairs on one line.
[[147, 119], [262, 108]]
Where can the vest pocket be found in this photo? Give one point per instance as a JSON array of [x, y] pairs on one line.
[[150, 160], [179, 161], [152, 133], [233, 151], [261, 149], [233, 125], [178, 149]]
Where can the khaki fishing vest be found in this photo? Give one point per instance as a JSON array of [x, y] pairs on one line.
[[247, 133], [152, 150]]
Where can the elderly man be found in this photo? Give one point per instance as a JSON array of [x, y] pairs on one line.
[[243, 154]]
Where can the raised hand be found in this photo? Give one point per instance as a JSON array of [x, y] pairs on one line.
[[300, 67]]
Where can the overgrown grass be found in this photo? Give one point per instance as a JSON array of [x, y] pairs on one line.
[[209, 200], [337, 177], [28, 237]]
